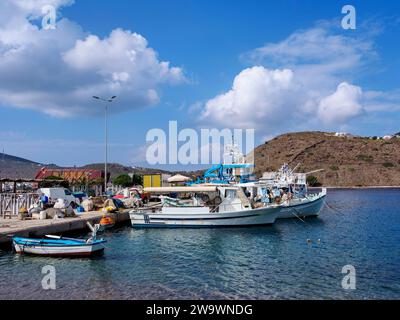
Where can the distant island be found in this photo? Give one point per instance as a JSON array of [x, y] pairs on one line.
[[346, 160]]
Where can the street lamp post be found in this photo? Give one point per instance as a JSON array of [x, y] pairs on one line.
[[105, 136]]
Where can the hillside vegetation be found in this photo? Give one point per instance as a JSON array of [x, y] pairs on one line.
[[347, 161]]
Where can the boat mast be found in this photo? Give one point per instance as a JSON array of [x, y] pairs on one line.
[[233, 149]]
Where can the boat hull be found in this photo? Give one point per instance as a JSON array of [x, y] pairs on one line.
[[306, 209], [260, 216], [79, 250]]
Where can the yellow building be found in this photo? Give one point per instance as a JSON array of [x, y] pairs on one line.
[[154, 180]]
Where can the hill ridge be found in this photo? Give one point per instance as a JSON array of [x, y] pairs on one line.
[[347, 161]]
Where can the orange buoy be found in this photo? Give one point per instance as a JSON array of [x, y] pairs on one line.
[[107, 222]]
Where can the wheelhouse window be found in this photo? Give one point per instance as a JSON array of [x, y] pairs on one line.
[[230, 194]]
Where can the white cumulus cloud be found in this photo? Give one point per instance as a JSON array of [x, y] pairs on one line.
[[341, 106], [271, 100], [257, 98], [58, 71], [304, 82]]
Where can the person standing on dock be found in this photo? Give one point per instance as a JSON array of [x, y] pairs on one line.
[[44, 200]]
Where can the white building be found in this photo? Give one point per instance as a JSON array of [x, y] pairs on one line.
[[342, 134]]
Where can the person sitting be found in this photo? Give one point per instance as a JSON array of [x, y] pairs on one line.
[[266, 199]]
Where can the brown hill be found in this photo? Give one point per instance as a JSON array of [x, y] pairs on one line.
[[347, 161], [12, 167]]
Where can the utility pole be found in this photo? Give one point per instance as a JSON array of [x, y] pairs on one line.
[[105, 137]]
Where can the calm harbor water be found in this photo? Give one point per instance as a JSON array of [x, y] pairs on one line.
[[270, 262]]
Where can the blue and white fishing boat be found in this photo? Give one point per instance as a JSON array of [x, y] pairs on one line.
[[308, 206], [58, 246], [234, 169], [207, 206], [283, 187], [289, 189]]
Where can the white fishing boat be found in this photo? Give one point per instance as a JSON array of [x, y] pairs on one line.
[[208, 206], [289, 189], [307, 206]]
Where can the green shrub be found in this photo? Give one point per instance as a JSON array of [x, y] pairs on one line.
[[53, 181], [334, 168], [137, 179], [123, 180], [388, 165], [364, 157]]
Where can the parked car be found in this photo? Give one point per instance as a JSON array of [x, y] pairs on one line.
[[59, 193], [80, 195]]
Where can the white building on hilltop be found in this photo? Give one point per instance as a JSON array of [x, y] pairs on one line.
[[342, 134]]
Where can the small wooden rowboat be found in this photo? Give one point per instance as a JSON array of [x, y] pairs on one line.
[[58, 246]]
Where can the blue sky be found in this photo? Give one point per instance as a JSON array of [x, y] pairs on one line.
[[275, 66]]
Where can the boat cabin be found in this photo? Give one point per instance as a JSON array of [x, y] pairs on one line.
[[202, 198]]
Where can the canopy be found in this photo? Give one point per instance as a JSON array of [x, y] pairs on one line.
[[179, 178]]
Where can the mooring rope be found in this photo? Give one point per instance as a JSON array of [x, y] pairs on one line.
[[333, 209], [297, 215]]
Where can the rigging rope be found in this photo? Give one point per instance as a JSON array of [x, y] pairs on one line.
[[333, 209], [297, 215]]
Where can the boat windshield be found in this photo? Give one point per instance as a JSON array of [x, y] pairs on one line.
[[230, 193]]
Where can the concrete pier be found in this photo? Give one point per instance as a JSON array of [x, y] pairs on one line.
[[39, 228]]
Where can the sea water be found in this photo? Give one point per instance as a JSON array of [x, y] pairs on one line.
[[290, 260]]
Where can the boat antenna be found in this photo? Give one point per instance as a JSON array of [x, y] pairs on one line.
[[233, 149]]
